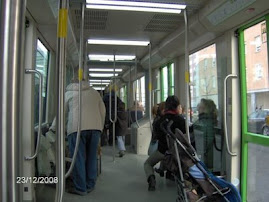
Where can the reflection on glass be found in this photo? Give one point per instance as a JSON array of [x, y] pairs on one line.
[[42, 59], [256, 55], [204, 93], [258, 173], [204, 131]]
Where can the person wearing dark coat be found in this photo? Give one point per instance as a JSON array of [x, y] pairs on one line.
[[172, 109], [108, 123], [121, 128]]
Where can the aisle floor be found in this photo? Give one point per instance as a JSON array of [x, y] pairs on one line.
[[122, 180]]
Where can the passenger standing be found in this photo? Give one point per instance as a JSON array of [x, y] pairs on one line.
[[92, 121], [121, 128], [108, 123], [172, 106]]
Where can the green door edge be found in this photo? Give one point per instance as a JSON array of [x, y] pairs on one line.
[[246, 136]]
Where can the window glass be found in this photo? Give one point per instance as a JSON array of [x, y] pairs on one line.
[[257, 77], [122, 94], [143, 93], [257, 174], [164, 78], [207, 130], [203, 77], [42, 61], [171, 79]]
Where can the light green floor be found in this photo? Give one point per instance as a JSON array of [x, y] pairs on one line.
[[120, 181]]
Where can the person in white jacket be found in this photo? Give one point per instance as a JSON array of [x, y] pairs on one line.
[[92, 122]]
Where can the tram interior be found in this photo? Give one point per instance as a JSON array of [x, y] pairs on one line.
[[212, 29]]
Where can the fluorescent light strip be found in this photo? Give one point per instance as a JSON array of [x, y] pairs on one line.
[[105, 81], [95, 83], [139, 4], [111, 57], [118, 42], [102, 75], [128, 8], [98, 88], [104, 70]]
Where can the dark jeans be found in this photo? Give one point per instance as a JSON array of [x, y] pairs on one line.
[[85, 168]]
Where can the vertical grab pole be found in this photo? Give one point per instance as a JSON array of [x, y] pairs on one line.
[[80, 77], [12, 27], [187, 74], [129, 97], [86, 69], [115, 108], [136, 93], [150, 89], [60, 118], [115, 111]]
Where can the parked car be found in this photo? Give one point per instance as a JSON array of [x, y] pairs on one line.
[[256, 122], [265, 128]]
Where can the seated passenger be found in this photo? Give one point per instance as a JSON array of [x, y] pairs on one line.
[[172, 106], [140, 111], [207, 120]]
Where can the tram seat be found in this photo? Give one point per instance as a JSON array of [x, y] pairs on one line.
[[141, 136]]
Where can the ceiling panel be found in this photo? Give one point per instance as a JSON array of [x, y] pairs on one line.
[[128, 25]]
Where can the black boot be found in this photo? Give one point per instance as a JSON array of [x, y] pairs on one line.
[[152, 183]]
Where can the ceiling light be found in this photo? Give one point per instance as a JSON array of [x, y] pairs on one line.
[[118, 42], [95, 80], [102, 75], [135, 3], [98, 88], [97, 83], [129, 8], [111, 57], [104, 70], [135, 6]]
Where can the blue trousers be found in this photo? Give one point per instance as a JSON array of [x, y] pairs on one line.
[[85, 168], [121, 143]]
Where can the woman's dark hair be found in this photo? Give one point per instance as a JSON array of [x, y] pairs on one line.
[[161, 108], [171, 102]]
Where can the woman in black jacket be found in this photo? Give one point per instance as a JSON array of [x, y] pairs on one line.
[[172, 109]]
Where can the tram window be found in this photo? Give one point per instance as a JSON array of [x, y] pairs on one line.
[[257, 82], [164, 83], [42, 61], [203, 77], [123, 96], [167, 81], [171, 79], [139, 89]]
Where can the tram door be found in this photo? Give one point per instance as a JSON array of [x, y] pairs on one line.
[[255, 109]]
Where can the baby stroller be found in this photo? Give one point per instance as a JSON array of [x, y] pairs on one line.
[[194, 181]]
